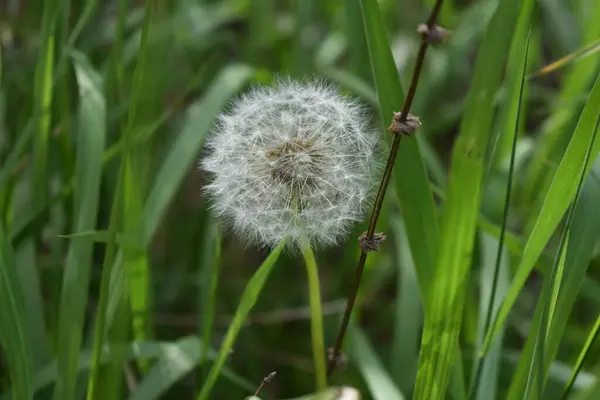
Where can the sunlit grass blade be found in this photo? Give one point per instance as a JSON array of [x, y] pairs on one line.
[[249, 297], [559, 196], [90, 147], [362, 354], [15, 337], [445, 301], [511, 124], [585, 51], [183, 356]]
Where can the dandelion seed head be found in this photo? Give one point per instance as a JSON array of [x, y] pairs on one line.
[[295, 161]]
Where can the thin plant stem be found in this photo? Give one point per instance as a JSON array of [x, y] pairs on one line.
[[210, 299], [316, 318], [385, 181]]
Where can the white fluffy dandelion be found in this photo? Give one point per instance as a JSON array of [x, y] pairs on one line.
[[294, 161]]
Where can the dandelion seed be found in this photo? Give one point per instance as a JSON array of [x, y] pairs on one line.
[[294, 161]]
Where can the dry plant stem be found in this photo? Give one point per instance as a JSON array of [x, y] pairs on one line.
[[385, 180], [265, 381]]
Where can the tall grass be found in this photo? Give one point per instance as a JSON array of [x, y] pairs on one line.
[[117, 281]]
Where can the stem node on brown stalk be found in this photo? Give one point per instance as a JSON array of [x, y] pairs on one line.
[[434, 35], [404, 124], [265, 381], [371, 243]]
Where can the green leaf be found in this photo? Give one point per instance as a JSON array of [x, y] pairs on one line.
[[583, 234], [409, 314], [199, 120], [181, 358], [488, 382], [362, 354], [411, 183], [91, 141], [15, 337], [162, 351], [249, 297], [445, 301], [559, 196], [107, 237]]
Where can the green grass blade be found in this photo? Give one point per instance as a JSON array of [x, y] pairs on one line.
[[559, 196], [249, 297], [409, 314], [583, 355], [490, 368], [411, 183], [91, 141], [152, 350], [183, 356], [199, 120], [209, 280], [43, 103], [316, 318], [556, 130], [361, 352], [517, 58], [136, 263], [15, 337], [584, 231], [445, 303]]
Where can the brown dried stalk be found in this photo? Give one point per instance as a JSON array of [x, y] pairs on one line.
[[403, 124]]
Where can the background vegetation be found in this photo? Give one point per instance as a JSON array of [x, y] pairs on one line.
[[104, 107]]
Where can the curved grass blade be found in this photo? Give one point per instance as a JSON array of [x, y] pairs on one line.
[[174, 364], [584, 231], [573, 57], [137, 350], [559, 196], [74, 294], [199, 120], [249, 297], [585, 352], [445, 301], [380, 384], [556, 130], [14, 335]]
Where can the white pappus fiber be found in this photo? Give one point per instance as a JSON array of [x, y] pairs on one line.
[[295, 161]]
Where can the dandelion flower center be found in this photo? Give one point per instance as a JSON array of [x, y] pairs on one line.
[[293, 161]]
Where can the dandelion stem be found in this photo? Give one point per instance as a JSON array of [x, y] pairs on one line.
[[316, 318], [385, 180]]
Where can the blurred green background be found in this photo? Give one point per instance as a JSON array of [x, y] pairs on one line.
[[104, 108]]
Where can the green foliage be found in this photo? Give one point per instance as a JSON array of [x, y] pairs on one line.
[[118, 282]]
